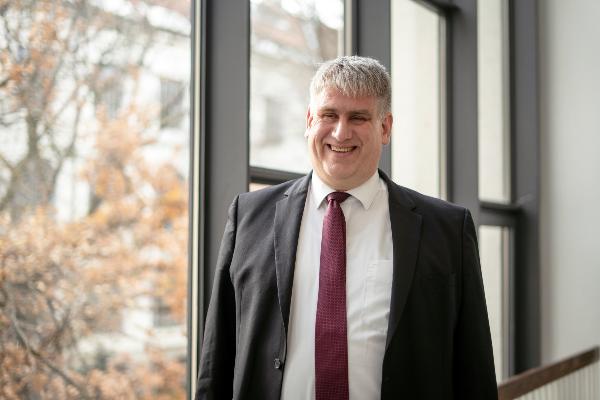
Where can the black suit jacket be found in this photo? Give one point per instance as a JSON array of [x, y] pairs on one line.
[[438, 341]]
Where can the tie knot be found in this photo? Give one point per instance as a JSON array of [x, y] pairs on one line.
[[338, 197]]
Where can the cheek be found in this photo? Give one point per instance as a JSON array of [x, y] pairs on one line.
[[316, 135], [313, 142]]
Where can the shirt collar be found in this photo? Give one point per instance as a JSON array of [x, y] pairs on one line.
[[364, 193]]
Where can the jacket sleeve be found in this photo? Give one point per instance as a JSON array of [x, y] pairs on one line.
[[474, 373], [215, 378]]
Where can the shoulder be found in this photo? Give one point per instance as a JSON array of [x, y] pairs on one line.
[[433, 211], [420, 202], [434, 205]]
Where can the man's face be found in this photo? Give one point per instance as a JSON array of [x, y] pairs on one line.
[[345, 135]]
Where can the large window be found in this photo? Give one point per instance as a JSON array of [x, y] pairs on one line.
[[418, 79], [493, 101], [495, 251], [288, 40], [501, 219], [453, 132], [93, 199]]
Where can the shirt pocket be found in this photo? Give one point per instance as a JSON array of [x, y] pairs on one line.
[[378, 293]]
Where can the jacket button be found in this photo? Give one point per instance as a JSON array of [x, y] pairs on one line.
[[277, 363], [386, 378]]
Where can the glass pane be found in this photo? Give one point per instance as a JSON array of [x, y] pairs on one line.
[[493, 248], [493, 98], [418, 100], [94, 132], [288, 39]]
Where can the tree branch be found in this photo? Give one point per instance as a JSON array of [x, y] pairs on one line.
[[25, 343], [52, 83], [7, 164]]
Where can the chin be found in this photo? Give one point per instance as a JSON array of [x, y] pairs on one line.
[[340, 182], [338, 174]]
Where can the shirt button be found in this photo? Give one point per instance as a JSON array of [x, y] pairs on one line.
[[277, 363]]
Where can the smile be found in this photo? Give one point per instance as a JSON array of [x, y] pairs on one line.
[[340, 149]]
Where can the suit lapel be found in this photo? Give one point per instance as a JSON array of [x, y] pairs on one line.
[[406, 233], [288, 216]]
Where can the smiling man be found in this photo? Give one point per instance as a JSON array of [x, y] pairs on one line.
[[345, 134], [342, 284]]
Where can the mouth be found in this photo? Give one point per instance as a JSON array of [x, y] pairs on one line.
[[341, 149]]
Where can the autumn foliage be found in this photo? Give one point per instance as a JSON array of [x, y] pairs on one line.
[[73, 289]]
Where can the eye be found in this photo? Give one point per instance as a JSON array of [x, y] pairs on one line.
[[328, 116], [358, 118]]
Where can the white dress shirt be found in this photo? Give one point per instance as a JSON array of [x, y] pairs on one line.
[[368, 290]]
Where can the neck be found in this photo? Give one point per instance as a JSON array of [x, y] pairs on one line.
[[342, 186]]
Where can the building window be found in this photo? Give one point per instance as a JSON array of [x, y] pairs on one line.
[[109, 91], [163, 314]]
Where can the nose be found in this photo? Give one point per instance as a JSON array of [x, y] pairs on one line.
[[342, 130]]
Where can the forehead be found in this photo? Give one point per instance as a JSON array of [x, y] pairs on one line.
[[331, 98]]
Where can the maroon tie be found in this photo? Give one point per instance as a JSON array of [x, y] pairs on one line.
[[331, 339]]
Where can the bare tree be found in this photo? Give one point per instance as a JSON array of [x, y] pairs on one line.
[[64, 285], [58, 58]]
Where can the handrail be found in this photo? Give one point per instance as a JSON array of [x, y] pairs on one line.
[[534, 378]]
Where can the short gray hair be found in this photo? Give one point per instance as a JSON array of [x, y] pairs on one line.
[[354, 76]]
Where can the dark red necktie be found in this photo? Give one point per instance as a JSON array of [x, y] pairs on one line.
[[331, 339]]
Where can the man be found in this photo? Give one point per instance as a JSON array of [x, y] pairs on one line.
[[342, 284]]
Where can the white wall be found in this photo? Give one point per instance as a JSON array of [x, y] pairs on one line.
[[569, 37]]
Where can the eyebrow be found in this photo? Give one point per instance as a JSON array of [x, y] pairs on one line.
[[332, 109], [361, 112]]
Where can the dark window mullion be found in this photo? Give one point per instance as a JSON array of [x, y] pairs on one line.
[[441, 6], [271, 176], [500, 207], [525, 179], [487, 217], [222, 170]]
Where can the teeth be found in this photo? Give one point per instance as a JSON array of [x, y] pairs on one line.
[[341, 149]]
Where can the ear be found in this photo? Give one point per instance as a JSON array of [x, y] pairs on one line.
[[386, 128], [309, 121]]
